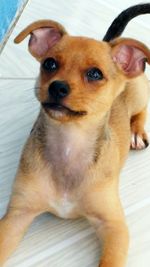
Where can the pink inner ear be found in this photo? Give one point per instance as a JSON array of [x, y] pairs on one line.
[[42, 40], [131, 59]]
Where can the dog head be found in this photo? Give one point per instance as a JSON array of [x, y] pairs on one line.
[[81, 76]]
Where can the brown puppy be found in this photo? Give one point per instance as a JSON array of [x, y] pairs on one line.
[[93, 95]]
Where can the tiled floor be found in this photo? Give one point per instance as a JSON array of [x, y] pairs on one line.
[[51, 241]]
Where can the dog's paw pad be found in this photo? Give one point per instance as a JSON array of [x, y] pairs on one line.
[[137, 142]]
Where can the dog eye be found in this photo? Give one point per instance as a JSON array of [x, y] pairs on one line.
[[94, 74], [50, 64]]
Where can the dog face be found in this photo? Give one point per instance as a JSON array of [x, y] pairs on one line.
[[74, 81], [81, 77]]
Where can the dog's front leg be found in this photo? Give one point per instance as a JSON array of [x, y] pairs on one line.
[[115, 243], [23, 208], [108, 220], [12, 228]]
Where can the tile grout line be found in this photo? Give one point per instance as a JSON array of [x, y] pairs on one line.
[[137, 206], [17, 78]]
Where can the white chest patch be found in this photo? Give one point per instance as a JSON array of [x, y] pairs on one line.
[[69, 151], [63, 207]]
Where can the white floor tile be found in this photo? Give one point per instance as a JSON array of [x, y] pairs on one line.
[[18, 111]]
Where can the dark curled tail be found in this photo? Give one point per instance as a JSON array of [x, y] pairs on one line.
[[119, 24]]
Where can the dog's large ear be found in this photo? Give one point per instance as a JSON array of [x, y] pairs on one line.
[[130, 55], [44, 34]]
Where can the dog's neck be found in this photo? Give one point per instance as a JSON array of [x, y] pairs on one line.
[[73, 146]]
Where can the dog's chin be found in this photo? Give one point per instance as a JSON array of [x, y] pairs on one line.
[[61, 112]]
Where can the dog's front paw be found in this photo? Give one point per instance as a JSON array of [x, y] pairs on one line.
[[139, 141]]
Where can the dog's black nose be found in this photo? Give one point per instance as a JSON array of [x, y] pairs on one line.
[[58, 90]]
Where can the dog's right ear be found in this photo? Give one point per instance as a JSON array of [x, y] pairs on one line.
[[44, 34]]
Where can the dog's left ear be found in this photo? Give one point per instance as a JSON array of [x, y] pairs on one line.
[[130, 56], [44, 34]]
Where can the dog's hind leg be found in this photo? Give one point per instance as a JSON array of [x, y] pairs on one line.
[[137, 95], [139, 138]]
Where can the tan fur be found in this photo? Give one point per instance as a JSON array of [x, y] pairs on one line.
[[70, 164]]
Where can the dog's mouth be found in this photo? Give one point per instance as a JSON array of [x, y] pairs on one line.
[[63, 110]]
